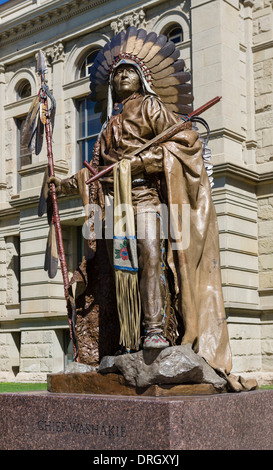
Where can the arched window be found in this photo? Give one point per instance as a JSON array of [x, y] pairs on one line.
[[174, 33], [86, 64], [24, 155], [23, 90]]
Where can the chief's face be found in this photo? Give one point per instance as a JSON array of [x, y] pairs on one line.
[[126, 81]]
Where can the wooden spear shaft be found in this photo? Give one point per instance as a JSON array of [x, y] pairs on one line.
[[56, 215], [165, 135]]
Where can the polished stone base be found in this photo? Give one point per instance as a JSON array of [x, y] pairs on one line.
[[60, 421]]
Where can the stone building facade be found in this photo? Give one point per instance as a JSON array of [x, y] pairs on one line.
[[228, 47]]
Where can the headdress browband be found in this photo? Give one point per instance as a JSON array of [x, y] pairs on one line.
[[134, 58]]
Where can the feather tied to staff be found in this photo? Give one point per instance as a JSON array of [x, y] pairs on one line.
[[40, 123]]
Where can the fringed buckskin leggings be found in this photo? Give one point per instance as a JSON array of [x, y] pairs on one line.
[[152, 282]]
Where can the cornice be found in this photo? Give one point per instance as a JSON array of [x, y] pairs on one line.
[[228, 133], [9, 212], [57, 12], [61, 11], [59, 166], [262, 45], [242, 173], [249, 314], [42, 18], [223, 169], [41, 320]]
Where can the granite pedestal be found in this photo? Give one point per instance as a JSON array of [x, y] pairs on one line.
[[65, 421]]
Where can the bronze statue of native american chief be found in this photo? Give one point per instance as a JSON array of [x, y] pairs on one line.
[[142, 287]]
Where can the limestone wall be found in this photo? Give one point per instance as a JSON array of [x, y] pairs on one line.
[[227, 45], [263, 79]]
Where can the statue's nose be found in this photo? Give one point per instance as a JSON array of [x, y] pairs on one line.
[[124, 73]]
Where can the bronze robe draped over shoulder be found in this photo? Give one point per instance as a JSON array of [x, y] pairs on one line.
[[178, 163], [196, 268]]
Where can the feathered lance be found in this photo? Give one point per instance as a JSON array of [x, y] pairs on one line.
[[40, 119]]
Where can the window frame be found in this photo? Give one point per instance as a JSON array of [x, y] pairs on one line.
[[19, 122], [86, 137], [23, 84], [84, 63], [171, 28]]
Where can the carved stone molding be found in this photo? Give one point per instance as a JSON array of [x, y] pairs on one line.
[[42, 20], [2, 72], [135, 18], [55, 53], [248, 3]]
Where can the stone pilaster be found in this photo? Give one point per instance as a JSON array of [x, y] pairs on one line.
[[3, 182], [251, 143], [216, 72], [3, 278], [221, 63]]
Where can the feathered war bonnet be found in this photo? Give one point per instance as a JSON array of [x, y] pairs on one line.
[[157, 62]]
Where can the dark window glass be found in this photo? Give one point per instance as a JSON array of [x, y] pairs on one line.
[[68, 347], [89, 125], [175, 34], [24, 155], [88, 61], [24, 90]]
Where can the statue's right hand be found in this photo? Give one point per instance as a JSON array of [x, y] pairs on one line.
[[57, 183]]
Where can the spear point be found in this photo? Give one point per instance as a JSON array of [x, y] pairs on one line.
[[41, 63]]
